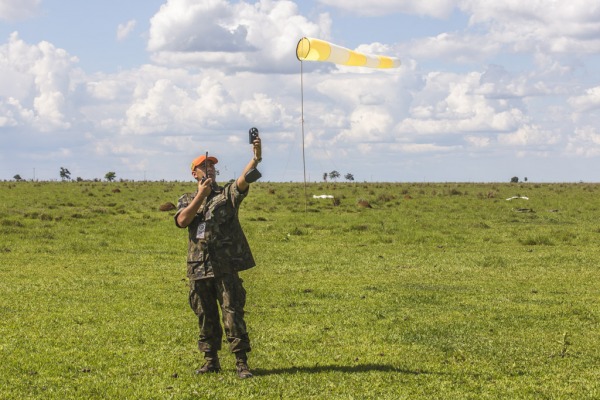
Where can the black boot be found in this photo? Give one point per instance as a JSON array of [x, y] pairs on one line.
[[241, 365], [211, 365]]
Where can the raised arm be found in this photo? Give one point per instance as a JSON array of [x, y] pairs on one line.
[[186, 216], [241, 182]]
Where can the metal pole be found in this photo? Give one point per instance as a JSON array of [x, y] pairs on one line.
[[302, 116]]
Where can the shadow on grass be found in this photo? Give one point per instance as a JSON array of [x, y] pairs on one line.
[[335, 368]]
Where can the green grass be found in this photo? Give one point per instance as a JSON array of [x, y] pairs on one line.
[[437, 291]]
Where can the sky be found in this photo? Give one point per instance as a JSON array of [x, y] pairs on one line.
[[487, 90]]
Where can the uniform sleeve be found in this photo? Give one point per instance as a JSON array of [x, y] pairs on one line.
[[235, 195], [182, 203]]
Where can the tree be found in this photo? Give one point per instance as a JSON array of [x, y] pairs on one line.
[[334, 175], [325, 177], [349, 177], [65, 174], [17, 177], [514, 179], [110, 176]]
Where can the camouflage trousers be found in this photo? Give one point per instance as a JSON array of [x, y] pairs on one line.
[[206, 295]]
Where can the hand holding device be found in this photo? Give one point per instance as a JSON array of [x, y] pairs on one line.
[[252, 135], [205, 177], [253, 174]]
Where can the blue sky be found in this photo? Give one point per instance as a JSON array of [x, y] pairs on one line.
[[486, 90]]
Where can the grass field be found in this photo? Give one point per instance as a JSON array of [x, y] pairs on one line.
[[445, 291]]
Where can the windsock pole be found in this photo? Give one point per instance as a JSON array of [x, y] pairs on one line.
[[302, 123]]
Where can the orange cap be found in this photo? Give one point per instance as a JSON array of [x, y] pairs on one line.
[[199, 160]]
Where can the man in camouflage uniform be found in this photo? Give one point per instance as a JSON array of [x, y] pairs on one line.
[[217, 251]]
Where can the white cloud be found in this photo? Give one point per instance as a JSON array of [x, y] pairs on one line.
[[586, 102], [13, 10], [190, 26], [497, 82], [539, 26], [123, 30], [107, 89], [170, 101], [457, 47], [585, 142], [477, 141], [368, 124], [12, 113], [43, 74], [259, 36], [453, 104], [424, 148], [528, 135], [263, 110], [433, 8], [553, 34]]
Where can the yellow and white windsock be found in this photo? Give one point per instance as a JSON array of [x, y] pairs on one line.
[[310, 49]]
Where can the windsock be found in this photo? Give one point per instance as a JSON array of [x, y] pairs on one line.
[[310, 49]]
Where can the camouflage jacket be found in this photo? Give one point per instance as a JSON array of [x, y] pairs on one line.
[[217, 244]]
